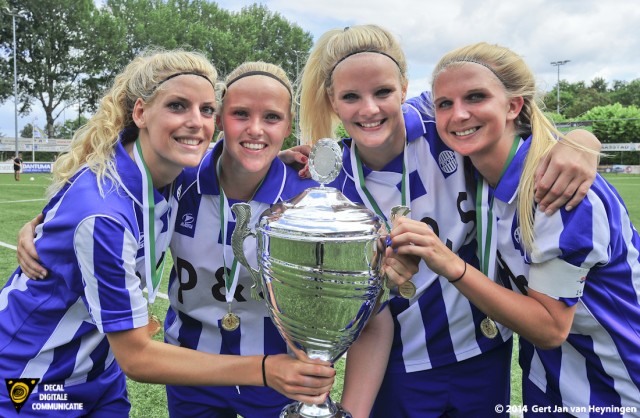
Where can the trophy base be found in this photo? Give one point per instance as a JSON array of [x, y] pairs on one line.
[[328, 409]]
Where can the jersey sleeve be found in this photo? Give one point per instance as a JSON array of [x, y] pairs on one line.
[[567, 246], [106, 253]]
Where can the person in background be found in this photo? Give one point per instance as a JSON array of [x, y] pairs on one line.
[[106, 228], [569, 283], [17, 166], [441, 363]]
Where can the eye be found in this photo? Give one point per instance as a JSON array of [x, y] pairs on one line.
[[383, 92], [176, 106], [208, 111], [443, 104], [349, 97], [273, 117], [475, 97], [240, 113]]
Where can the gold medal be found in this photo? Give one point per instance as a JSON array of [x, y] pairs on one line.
[[154, 326], [489, 328], [407, 289], [230, 322]]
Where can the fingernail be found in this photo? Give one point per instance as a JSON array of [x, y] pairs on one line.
[[569, 208], [548, 212]]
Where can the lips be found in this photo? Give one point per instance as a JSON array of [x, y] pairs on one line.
[[465, 132], [370, 124], [254, 146], [189, 141]]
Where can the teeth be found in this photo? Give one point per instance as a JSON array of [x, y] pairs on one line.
[[370, 125], [254, 146], [188, 141], [467, 132]]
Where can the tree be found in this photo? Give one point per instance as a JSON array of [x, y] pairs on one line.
[[58, 46], [626, 93], [69, 127], [616, 124], [268, 36]]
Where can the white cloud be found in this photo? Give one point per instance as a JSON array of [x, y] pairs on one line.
[[600, 38]]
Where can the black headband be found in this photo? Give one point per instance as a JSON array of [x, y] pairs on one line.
[[265, 73], [185, 73], [360, 51]]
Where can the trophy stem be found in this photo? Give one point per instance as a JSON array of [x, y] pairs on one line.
[[327, 409]]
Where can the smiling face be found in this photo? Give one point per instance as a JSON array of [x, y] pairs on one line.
[[474, 116], [177, 126], [255, 118], [367, 96]]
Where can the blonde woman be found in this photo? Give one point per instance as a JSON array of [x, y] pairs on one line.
[[569, 282], [104, 236], [441, 363]]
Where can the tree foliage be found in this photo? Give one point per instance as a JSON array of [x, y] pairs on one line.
[[70, 50], [57, 47]]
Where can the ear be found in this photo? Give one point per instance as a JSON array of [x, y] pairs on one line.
[[515, 106], [289, 129], [333, 103], [138, 114], [219, 122], [405, 87]]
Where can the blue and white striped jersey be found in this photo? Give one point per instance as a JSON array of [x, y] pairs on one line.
[[439, 326], [200, 251], [93, 246], [599, 363]]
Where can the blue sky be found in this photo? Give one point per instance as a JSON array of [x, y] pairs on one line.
[[599, 38]]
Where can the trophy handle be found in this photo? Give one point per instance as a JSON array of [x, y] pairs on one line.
[[240, 233]]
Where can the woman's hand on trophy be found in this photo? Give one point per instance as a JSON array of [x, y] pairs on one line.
[[306, 381], [298, 158], [414, 238], [26, 251]]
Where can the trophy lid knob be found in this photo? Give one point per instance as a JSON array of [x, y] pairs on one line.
[[325, 161]]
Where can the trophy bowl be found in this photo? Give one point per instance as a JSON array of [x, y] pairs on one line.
[[319, 269]]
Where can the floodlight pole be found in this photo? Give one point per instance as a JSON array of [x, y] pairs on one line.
[[15, 13], [558, 64], [297, 105]]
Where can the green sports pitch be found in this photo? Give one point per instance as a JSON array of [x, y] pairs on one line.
[[23, 200]]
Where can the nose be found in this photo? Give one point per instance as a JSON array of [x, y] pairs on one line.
[[254, 127], [460, 111], [369, 106], [195, 119]]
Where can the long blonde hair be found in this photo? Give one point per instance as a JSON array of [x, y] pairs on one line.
[[94, 143], [317, 118], [518, 81]]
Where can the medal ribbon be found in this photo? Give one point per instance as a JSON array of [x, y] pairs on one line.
[[366, 195], [485, 219], [153, 275], [230, 279]]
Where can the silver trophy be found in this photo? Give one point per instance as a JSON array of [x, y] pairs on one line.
[[319, 261]]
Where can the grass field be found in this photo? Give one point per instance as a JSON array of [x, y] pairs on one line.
[[21, 201]]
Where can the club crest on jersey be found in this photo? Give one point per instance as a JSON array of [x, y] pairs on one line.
[[20, 390], [447, 161], [517, 236], [187, 221]]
